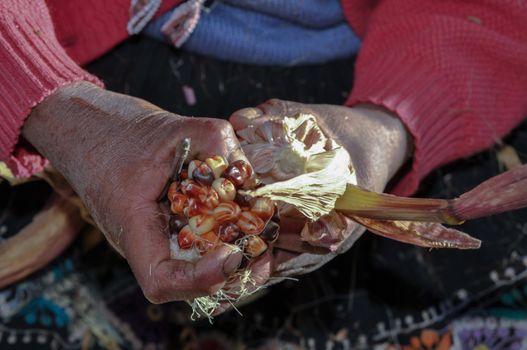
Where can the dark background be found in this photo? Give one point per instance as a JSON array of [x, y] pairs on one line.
[[378, 280]]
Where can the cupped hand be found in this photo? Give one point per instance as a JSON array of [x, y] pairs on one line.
[[378, 145], [117, 153]]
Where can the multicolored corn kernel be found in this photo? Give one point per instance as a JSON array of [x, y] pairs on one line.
[[176, 223], [192, 166], [245, 168], [250, 223], [263, 207], [210, 197], [242, 200], [270, 232], [207, 241], [238, 172], [228, 232], [203, 174], [186, 238], [255, 246], [200, 224], [225, 189], [192, 189], [234, 175], [218, 164], [226, 211], [208, 209], [196, 207], [178, 204], [172, 190]]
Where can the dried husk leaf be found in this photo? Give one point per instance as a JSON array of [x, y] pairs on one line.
[[423, 234], [313, 194], [50, 232], [505, 192], [508, 157]]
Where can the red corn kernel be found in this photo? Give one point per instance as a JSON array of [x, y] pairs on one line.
[[192, 166], [270, 232], [207, 241], [234, 175], [186, 238], [195, 207], [203, 174], [200, 224], [226, 211], [176, 223], [225, 189], [192, 189], [210, 198], [245, 168], [228, 232], [179, 202], [263, 207], [250, 223], [172, 190], [255, 246], [243, 200]]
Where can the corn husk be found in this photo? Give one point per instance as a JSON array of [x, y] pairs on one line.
[[297, 166], [357, 201], [314, 193], [50, 232], [423, 234], [501, 193]]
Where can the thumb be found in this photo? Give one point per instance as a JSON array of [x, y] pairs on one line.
[[146, 247]]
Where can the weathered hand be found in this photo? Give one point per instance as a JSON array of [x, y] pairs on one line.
[[116, 151], [378, 145]]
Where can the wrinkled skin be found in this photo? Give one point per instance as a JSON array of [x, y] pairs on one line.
[[116, 152], [378, 145]]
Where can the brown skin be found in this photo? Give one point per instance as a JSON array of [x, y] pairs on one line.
[[116, 151], [378, 145]]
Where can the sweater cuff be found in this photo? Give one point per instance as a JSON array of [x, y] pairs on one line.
[[33, 66], [428, 105]]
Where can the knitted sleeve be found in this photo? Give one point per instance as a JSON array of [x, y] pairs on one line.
[[454, 71], [32, 66]]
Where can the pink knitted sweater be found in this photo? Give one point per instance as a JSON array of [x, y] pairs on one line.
[[455, 72]]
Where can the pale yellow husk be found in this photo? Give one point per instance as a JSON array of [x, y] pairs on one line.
[[314, 193]]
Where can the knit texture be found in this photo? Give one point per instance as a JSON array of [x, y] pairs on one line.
[[270, 32], [32, 65], [455, 73], [41, 47]]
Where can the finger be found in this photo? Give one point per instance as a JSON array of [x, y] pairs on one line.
[[243, 117], [231, 150], [292, 242], [162, 279], [281, 108], [239, 122], [269, 110]]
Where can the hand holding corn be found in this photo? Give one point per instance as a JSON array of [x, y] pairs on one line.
[[117, 151]]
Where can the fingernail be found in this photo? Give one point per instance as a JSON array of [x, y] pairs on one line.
[[249, 113], [232, 263]]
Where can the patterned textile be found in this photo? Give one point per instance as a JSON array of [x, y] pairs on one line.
[[379, 295]]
